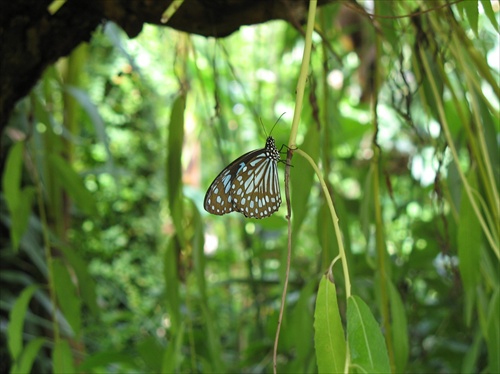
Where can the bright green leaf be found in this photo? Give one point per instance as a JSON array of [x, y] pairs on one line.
[[490, 13], [86, 283], [18, 200], [387, 24], [173, 356], [469, 250], [329, 337], [27, 357], [472, 11], [20, 218], [16, 321], [469, 364], [493, 337], [366, 343], [11, 180], [62, 359], [174, 155], [67, 296]]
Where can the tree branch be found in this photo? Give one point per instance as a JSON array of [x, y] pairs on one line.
[[31, 38]]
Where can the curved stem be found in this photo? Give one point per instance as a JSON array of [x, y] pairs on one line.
[[335, 221]]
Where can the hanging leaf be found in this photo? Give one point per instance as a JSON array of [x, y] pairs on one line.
[[27, 357], [329, 337], [11, 180], [469, 252], [16, 321], [67, 296], [493, 337], [366, 343], [62, 359]]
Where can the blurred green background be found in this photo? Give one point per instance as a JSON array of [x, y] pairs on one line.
[[108, 159]]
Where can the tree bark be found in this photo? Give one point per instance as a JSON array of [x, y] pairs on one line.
[[31, 37]]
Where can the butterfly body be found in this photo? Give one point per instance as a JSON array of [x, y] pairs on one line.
[[248, 185]]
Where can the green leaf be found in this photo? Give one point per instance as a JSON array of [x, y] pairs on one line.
[[18, 200], [173, 356], [490, 13], [73, 184], [174, 155], [11, 180], [67, 296], [27, 357], [399, 327], [329, 338], [469, 251], [493, 337], [20, 217], [472, 11], [366, 343], [427, 95], [16, 322], [62, 360], [469, 364], [386, 22], [86, 283]]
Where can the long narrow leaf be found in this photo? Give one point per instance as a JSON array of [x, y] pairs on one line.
[[16, 322], [174, 166], [27, 357], [493, 338], [329, 337], [66, 295], [18, 200], [172, 356], [469, 253], [366, 344], [11, 180], [86, 283], [62, 359]]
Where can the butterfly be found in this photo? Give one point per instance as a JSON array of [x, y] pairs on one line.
[[248, 185]]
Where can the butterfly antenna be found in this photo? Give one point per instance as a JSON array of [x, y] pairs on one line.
[[263, 127], [276, 122]]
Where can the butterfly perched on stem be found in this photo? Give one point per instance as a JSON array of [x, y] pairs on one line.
[[248, 185]]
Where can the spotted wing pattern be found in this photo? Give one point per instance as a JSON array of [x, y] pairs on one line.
[[248, 185]]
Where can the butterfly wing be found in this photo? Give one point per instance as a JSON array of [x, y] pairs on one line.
[[256, 191], [248, 185], [218, 199]]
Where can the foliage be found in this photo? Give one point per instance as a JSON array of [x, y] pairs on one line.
[[107, 162]]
